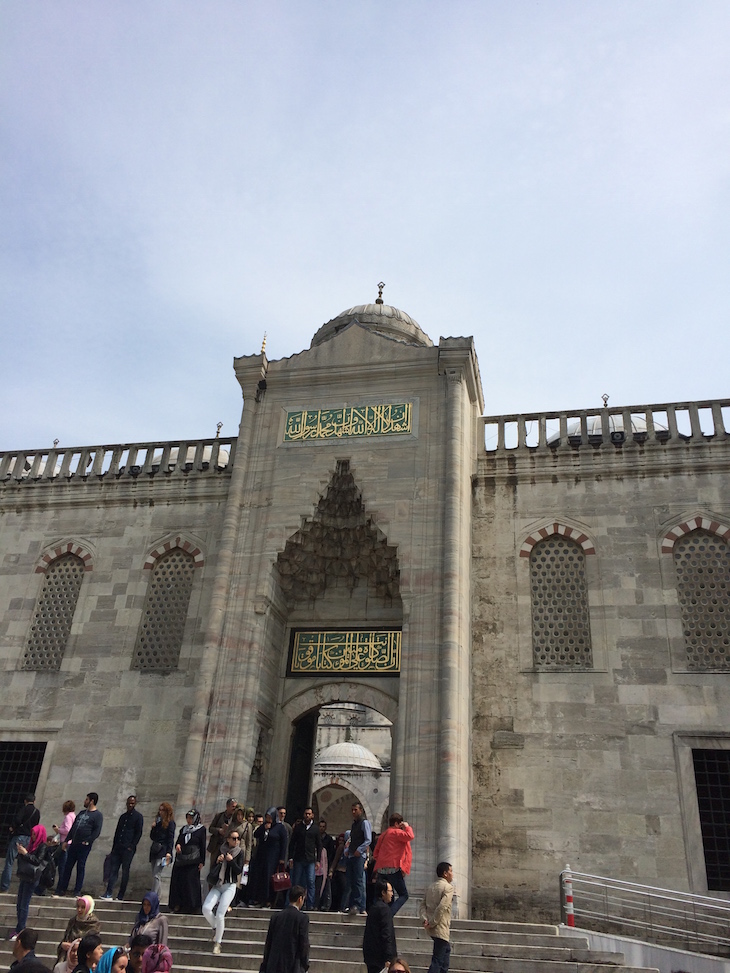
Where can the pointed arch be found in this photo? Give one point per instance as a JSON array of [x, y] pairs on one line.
[[557, 527], [696, 522], [185, 542], [80, 549]]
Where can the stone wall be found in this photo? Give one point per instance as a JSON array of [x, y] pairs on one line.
[[584, 766], [109, 727]]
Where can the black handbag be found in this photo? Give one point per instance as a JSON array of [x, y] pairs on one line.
[[26, 869], [189, 855]]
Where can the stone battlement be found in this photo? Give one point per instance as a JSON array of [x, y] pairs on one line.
[[203, 457], [608, 428]]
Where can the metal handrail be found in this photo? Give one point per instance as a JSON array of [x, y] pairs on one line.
[[664, 916]]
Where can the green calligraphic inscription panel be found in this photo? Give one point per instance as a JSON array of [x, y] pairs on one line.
[[319, 653], [394, 419]]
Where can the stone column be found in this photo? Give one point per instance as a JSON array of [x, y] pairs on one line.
[[190, 782], [454, 838]]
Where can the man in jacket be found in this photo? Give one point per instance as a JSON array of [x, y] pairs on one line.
[[26, 818], [361, 834], [84, 832], [393, 858], [378, 942], [287, 940], [219, 828], [124, 846], [305, 848], [23, 950], [435, 912]]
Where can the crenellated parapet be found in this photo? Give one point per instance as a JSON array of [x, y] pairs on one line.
[[607, 429], [81, 464]]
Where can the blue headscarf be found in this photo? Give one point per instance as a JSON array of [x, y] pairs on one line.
[[107, 960], [142, 917]]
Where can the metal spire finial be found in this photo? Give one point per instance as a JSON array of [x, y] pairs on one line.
[[605, 398], [379, 298], [218, 427], [56, 442], [263, 344]]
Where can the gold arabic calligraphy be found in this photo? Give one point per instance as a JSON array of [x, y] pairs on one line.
[[353, 651], [361, 420]]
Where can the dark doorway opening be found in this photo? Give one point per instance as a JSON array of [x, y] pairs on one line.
[[300, 765], [20, 768]]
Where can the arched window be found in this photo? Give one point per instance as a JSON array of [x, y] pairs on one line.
[[561, 633], [54, 613], [702, 560], [165, 611]]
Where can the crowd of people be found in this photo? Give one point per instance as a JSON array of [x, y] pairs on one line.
[[255, 860]]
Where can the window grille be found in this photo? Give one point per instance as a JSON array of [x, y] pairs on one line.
[[561, 634], [54, 613], [20, 768], [702, 560], [712, 777], [165, 611]]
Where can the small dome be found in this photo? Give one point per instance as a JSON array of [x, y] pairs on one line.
[[347, 756], [380, 318]]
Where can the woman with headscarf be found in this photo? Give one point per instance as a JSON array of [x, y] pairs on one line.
[[272, 841], [114, 960], [31, 862], [80, 925], [68, 963], [185, 893], [150, 920], [158, 959], [162, 837]]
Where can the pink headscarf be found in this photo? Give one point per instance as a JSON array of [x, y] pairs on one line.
[[156, 959], [38, 837], [88, 905]]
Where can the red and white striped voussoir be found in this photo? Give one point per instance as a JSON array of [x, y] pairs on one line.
[[570, 532], [67, 548], [694, 523], [187, 546]]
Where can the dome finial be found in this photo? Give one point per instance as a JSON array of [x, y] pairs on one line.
[[263, 344], [379, 298]]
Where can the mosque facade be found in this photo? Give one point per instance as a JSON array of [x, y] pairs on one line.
[[536, 608]]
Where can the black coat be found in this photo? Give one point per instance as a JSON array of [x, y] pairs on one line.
[[378, 943], [287, 942]]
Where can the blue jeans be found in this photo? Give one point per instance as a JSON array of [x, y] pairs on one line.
[[76, 854], [399, 886], [15, 840], [303, 874], [440, 957], [25, 892], [119, 858], [355, 870]]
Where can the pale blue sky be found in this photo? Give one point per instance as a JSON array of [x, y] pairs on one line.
[[179, 177]]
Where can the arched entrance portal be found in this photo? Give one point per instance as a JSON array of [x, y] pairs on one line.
[[340, 754]]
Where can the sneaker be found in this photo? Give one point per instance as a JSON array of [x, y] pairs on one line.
[[363, 913], [107, 896], [352, 911], [216, 948]]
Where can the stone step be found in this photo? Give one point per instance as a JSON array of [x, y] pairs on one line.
[[481, 946]]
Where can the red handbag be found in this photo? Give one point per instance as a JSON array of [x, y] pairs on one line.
[[281, 881]]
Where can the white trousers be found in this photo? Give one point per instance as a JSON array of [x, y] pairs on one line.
[[222, 895]]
